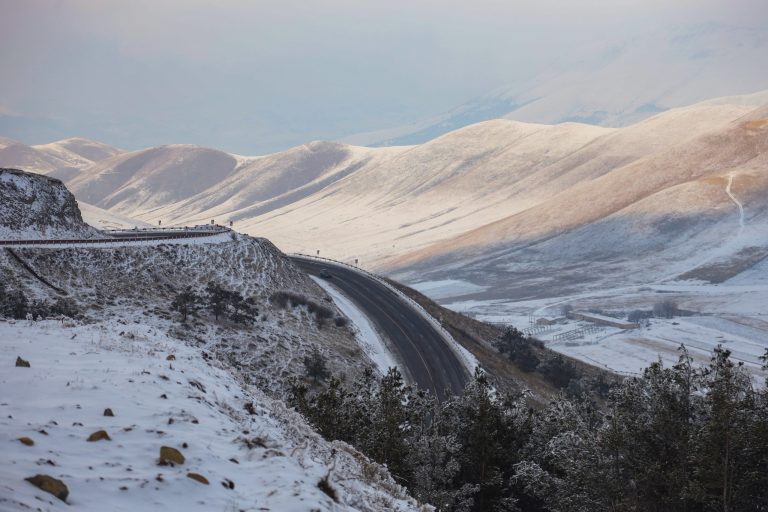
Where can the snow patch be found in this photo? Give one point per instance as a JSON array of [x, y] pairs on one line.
[[447, 288]]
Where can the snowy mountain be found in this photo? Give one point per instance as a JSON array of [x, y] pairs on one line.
[[469, 204], [78, 152], [153, 177], [195, 180], [621, 83], [17, 155], [432, 207], [63, 158]]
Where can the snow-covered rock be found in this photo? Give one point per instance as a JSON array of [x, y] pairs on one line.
[[34, 206]]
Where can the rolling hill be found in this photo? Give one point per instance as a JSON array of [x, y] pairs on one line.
[[63, 159], [509, 207]]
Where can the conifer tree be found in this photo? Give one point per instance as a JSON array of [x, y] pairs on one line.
[[185, 302]]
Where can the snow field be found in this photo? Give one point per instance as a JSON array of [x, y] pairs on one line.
[[272, 459], [734, 316]]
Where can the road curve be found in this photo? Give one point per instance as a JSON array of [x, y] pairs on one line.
[[432, 364]]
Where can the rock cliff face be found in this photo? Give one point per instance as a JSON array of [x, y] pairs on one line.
[[33, 206]]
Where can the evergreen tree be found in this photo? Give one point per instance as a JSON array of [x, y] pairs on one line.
[[185, 302], [243, 309], [315, 365], [723, 441], [519, 349], [675, 439], [329, 411], [216, 299], [390, 422], [15, 304]]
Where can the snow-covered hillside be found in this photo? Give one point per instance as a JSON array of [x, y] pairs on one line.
[[132, 283], [241, 450], [78, 152], [103, 219], [62, 158], [196, 184], [35, 206], [152, 177]]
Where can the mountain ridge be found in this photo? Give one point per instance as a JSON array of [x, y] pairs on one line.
[[399, 208]]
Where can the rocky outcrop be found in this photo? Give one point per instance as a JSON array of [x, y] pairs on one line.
[[34, 206]]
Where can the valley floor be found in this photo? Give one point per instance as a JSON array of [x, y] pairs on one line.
[[733, 314]]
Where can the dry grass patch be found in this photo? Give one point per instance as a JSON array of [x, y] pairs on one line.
[[755, 124]]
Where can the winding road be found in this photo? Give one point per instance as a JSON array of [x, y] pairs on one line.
[[432, 364], [430, 361]]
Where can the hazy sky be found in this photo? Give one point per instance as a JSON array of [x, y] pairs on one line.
[[254, 76]]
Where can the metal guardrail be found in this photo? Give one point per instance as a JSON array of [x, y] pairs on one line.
[[202, 233], [457, 349], [201, 227]]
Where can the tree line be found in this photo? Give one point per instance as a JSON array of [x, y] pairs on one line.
[[218, 301], [680, 438]]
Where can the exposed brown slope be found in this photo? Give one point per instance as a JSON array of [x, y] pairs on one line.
[[742, 145], [140, 180]]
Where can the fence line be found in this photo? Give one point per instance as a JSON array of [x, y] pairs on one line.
[[576, 333]]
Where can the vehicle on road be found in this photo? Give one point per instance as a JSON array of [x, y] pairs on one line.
[[325, 274]]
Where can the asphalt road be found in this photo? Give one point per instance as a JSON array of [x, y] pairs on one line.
[[430, 361]]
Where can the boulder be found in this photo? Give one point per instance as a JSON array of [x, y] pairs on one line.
[[50, 485], [22, 363], [198, 477], [99, 435], [170, 456]]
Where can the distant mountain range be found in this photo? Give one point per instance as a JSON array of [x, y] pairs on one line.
[[515, 209], [618, 85]]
